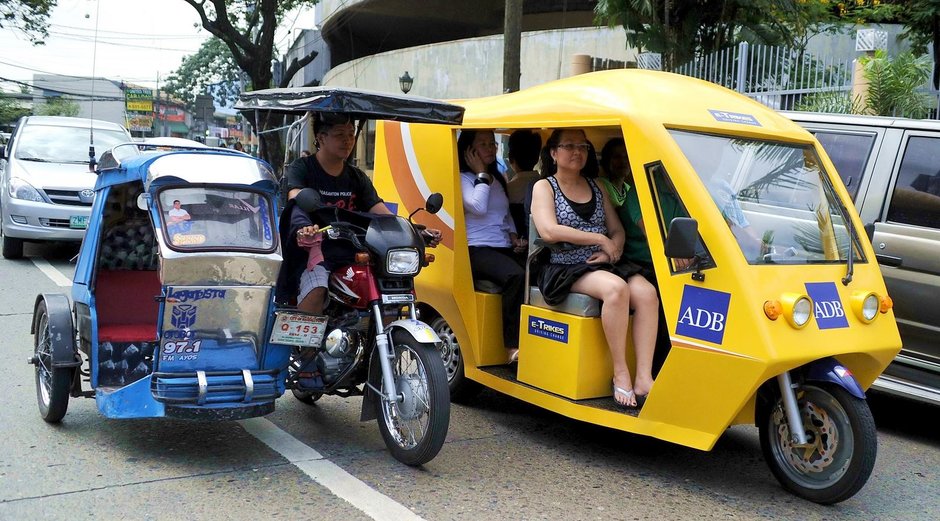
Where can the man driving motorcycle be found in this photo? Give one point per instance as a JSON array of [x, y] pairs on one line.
[[339, 184]]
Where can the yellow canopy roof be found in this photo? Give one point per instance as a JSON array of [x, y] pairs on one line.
[[646, 97]]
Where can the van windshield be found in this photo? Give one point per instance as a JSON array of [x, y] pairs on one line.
[[775, 197], [57, 144]]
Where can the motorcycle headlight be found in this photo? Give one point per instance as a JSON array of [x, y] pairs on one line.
[[402, 262], [866, 306], [20, 189]]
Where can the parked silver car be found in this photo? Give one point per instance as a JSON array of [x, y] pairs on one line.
[[891, 168], [47, 188]]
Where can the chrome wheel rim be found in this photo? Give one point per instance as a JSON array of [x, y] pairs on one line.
[[44, 360], [408, 420], [827, 456], [450, 349]]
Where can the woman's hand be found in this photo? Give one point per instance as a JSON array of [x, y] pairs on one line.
[[474, 161], [598, 257], [519, 245], [610, 248]]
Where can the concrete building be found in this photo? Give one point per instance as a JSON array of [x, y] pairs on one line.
[[455, 49], [97, 98]]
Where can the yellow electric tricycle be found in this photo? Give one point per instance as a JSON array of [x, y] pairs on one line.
[[782, 319]]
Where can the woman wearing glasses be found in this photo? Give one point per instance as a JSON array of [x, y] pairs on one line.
[[491, 235], [568, 206]]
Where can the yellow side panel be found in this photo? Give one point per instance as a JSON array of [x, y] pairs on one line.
[[564, 354]]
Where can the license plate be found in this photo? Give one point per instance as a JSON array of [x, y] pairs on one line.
[[298, 329], [79, 222]]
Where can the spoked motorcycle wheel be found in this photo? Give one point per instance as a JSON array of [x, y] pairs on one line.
[[842, 444], [52, 384], [414, 428], [461, 388]]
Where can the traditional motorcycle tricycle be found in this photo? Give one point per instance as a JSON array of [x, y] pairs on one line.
[[781, 319], [173, 310]]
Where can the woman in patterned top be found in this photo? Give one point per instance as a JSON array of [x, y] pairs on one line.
[[568, 206]]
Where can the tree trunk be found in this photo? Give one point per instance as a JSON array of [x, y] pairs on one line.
[[512, 44]]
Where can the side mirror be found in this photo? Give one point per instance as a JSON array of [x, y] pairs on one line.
[[682, 237], [308, 200], [434, 203], [143, 201]]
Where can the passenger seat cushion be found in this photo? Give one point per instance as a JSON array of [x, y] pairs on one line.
[[127, 310]]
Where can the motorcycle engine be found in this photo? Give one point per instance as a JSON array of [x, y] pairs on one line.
[[338, 350]]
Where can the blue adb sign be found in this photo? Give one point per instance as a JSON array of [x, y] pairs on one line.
[[827, 306], [549, 329], [703, 314]]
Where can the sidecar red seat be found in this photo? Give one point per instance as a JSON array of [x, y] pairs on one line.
[[127, 311]]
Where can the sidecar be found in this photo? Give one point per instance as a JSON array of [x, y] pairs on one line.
[[173, 291]]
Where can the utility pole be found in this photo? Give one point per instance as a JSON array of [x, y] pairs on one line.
[[512, 44]]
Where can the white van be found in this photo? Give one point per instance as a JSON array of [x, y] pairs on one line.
[[46, 186], [891, 168]]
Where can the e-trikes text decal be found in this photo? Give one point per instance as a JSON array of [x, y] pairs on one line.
[[549, 329], [703, 314]]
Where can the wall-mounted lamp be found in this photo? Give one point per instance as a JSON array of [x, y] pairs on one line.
[[406, 81]]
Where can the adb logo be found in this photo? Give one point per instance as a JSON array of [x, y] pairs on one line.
[[703, 314], [827, 306], [549, 329]]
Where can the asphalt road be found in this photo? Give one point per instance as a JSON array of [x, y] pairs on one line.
[[503, 459]]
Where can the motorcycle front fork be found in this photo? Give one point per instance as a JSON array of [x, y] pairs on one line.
[[386, 355], [792, 410]]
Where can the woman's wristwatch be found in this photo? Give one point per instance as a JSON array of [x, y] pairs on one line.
[[483, 178]]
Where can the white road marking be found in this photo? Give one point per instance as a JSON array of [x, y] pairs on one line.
[[341, 483], [51, 271]]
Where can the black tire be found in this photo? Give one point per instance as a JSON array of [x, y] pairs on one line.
[[52, 384], [461, 388], [843, 438], [12, 248], [414, 430], [306, 396]]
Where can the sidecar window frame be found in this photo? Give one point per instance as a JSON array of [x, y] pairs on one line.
[[167, 241]]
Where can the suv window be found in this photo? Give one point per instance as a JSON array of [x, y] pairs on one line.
[[916, 197], [61, 144], [849, 153]]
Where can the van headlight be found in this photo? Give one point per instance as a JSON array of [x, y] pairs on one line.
[[402, 262], [866, 306], [20, 189]]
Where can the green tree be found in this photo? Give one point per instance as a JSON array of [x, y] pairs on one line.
[[922, 27], [58, 106], [247, 29], [29, 16], [10, 110], [681, 31], [211, 70]]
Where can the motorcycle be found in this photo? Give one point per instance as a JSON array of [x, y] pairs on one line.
[[370, 335]]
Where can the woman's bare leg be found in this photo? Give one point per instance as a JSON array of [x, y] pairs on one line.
[[645, 306], [615, 317]]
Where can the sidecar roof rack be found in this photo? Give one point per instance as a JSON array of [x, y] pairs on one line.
[[359, 103]]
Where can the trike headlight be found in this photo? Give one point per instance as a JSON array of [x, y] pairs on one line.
[[402, 262]]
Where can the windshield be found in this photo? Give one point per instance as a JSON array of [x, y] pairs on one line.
[[57, 144], [201, 218], [775, 198]]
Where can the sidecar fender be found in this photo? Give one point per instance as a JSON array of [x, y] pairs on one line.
[[59, 313]]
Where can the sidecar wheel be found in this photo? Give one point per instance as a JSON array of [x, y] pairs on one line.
[[414, 428], [843, 444], [305, 396], [52, 384], [461, 388]]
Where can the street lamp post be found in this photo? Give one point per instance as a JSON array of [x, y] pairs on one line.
[[406, 81]]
